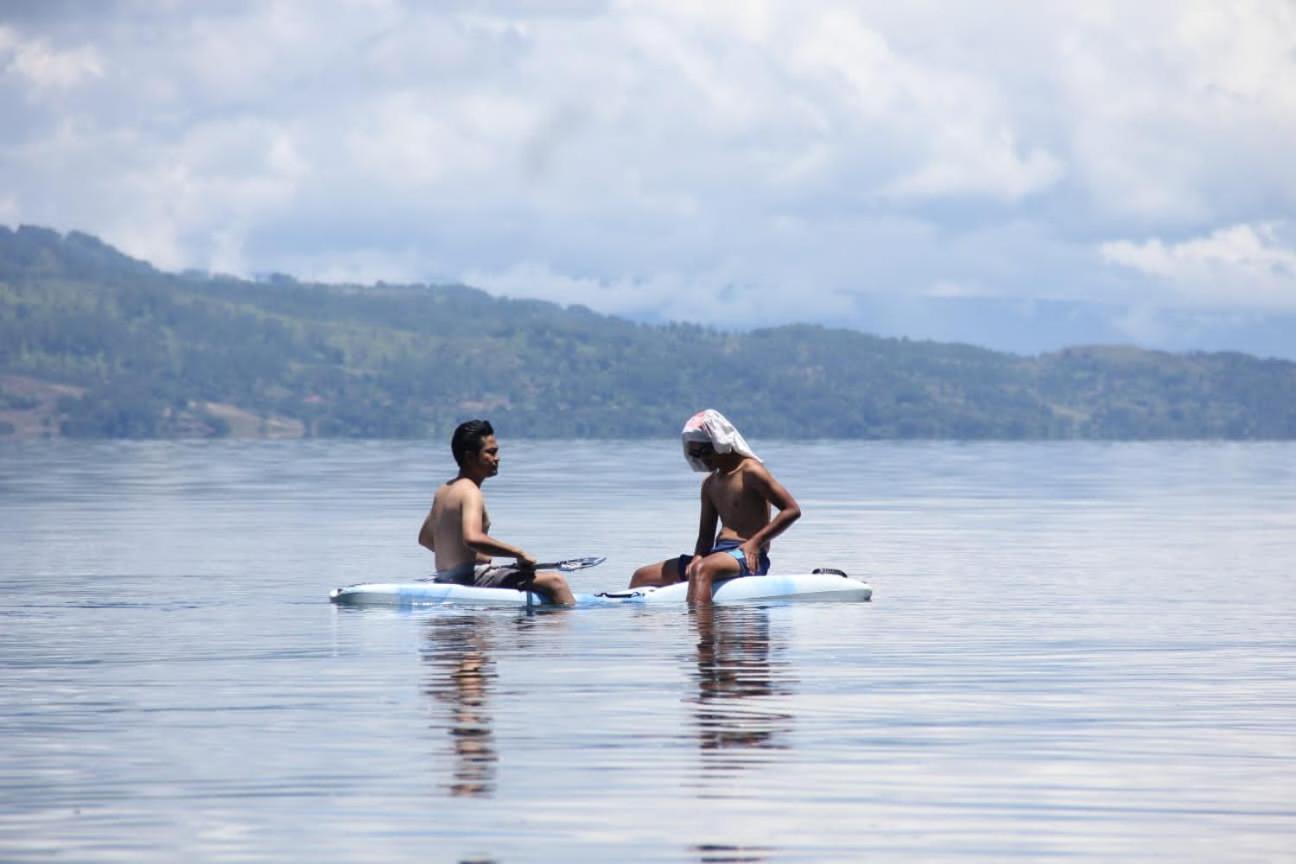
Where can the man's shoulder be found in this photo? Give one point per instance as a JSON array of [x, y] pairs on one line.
[[458, 489]]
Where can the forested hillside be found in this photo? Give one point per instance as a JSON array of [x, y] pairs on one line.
[[96, 344]]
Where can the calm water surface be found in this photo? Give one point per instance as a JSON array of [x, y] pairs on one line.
[[1074, 650]]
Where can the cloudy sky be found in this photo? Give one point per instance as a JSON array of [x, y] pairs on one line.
[[1017, 175]]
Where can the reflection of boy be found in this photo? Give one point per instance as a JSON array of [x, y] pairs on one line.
[[457, 527], [739, 492]]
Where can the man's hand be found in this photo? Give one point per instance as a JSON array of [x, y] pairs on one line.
[[751, 551], [525, 561]]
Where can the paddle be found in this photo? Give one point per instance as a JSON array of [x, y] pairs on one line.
[[567, 565]]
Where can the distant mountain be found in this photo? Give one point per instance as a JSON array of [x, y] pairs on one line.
[[96, 344]]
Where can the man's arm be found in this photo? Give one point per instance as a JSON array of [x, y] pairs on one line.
[[425, 533], [789, 511], [478, 540]]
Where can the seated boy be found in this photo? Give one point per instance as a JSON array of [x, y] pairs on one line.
[[739, 492]]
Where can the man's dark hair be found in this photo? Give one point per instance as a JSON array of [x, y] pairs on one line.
[[468, 438]]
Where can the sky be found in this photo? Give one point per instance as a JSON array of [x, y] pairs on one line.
[[1022, 176]]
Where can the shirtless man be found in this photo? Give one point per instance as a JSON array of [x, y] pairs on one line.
[[739, 492], [457, 527]]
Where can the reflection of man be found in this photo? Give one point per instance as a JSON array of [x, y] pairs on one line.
[[457, 527], [462, 675], [738, 492]]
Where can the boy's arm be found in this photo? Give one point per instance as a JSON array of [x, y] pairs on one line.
[[478, 540], [708, 516], [788, 512]]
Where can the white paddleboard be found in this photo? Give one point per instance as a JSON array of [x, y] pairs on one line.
[[819, 586]]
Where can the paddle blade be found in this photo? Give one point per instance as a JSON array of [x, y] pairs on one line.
[[569, 564]]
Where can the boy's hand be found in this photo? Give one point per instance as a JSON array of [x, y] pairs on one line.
[[751, 552], [525, 561]]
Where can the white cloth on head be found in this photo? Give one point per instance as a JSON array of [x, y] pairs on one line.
[[711, 427]]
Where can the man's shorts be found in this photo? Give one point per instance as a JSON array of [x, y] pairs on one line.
[[487, 576], [734, 548]]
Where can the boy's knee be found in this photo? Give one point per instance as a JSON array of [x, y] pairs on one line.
[[719, 566], [708, 568]]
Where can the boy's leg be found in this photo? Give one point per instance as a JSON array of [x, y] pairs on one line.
[[708, 571], [662, 573]]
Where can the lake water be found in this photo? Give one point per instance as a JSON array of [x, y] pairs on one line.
[[1074, 650]]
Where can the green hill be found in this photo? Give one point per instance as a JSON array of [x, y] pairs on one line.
[[96, 344]]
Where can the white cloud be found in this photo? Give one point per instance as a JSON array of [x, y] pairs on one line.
[[536, 280], [192, 202], [970, 168], [727, 162], [1177, 112], [1242, 265], [949, 288], [1143, 325], [713, 296], [951, 133], [42, 67]]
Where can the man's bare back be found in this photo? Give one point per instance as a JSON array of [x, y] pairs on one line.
[[445, 522]]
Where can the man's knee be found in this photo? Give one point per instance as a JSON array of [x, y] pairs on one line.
[[550, 581]]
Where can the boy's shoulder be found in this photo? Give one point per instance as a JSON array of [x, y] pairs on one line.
[[748, 466]]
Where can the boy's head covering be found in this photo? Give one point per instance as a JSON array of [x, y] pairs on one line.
[[711, 427]]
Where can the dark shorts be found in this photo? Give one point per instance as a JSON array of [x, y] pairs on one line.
[[487, 576], [733, 547]]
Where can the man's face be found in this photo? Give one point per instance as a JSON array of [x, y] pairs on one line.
[[488, 456]]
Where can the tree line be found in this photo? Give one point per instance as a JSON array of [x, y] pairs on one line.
[[153, 350]]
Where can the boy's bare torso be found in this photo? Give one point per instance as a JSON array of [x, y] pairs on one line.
[[743, 509]]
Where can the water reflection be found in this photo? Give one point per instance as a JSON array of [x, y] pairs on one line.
[[461, 674], [738, 668], [717, 854]]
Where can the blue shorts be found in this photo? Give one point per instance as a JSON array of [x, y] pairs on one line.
[[734, 548]]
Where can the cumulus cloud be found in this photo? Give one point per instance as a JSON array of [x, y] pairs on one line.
[[39, 67], [1242, 265], [718, 297], [734, 163]]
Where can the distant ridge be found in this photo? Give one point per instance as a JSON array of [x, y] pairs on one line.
[[94, 343]]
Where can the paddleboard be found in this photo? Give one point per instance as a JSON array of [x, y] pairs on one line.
[[819, 586]]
